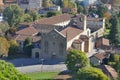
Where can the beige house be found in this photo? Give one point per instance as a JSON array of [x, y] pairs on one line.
[[80, 34]]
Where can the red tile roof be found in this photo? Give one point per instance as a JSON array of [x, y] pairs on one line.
[[109, 71], [29, 31], [55, 19], [71, 32], [23, 37]]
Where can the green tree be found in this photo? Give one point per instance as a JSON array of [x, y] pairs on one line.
[[34, 15], [101, 10], [52, 13], [65, 3], [76, 59], [114, 58], [27, 18], [80, 9], [115, 30], [46, 3], [13, 47], [59, 2], [13, 15], [4, 26], [4, 46], [90, 73], [8, 72], [27, 46]]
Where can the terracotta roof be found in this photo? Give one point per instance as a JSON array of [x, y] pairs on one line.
[[55, 19], [23, 37], [105, 42], [11, 1], [29, 31], [101, 56], [109, 71], [71, 32], [112, 71]]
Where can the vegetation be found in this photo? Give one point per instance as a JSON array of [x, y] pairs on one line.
[[27, 46], [52, 13], [114, 61], [115, 30], [42, 75], [76, 59], [90, 73], [4, 26], [13, 15], [4, 46], [8, 72], [46, 3], [13, 47]]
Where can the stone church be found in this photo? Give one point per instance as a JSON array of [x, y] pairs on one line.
[[81, 34]]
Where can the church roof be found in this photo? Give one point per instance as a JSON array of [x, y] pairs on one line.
[[29, 31], [55, 19], [71, 32]]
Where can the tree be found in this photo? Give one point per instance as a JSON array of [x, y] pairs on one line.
[[90, 73], [8, 72], [27, 18], [76, 59], [59, 2], [115, 30], [27, 46], [46, 3], [13, 47], [13, 15], [65, 3], [52, 13], [4, 46], [4, 26], [101, 10], [80, 9], [34, 15]]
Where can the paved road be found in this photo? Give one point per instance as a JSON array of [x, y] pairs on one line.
[[42, 68], [28, 65]]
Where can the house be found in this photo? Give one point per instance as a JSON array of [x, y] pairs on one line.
[[77, 32], [102, 43], [7, 2], [89, 2], [54, 8], [30, 32], [98, 58], [109, 71], [30, 4]]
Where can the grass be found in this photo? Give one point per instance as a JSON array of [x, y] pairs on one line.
[[42, 75]]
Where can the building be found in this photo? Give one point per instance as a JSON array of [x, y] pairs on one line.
[[79, 33], [88, 2], [109, 71], [30, 4], [98, 58]]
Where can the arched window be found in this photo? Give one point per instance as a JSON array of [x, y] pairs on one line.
[[46, 46], [61, 48]]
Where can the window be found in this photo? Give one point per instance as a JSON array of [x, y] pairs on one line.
[[46, 47]]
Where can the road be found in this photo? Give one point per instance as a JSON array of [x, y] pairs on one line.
[[42, 68]]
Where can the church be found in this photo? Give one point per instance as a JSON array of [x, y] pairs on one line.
[[80, 33]]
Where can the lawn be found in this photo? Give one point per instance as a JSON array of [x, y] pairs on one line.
[[42, 75]]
